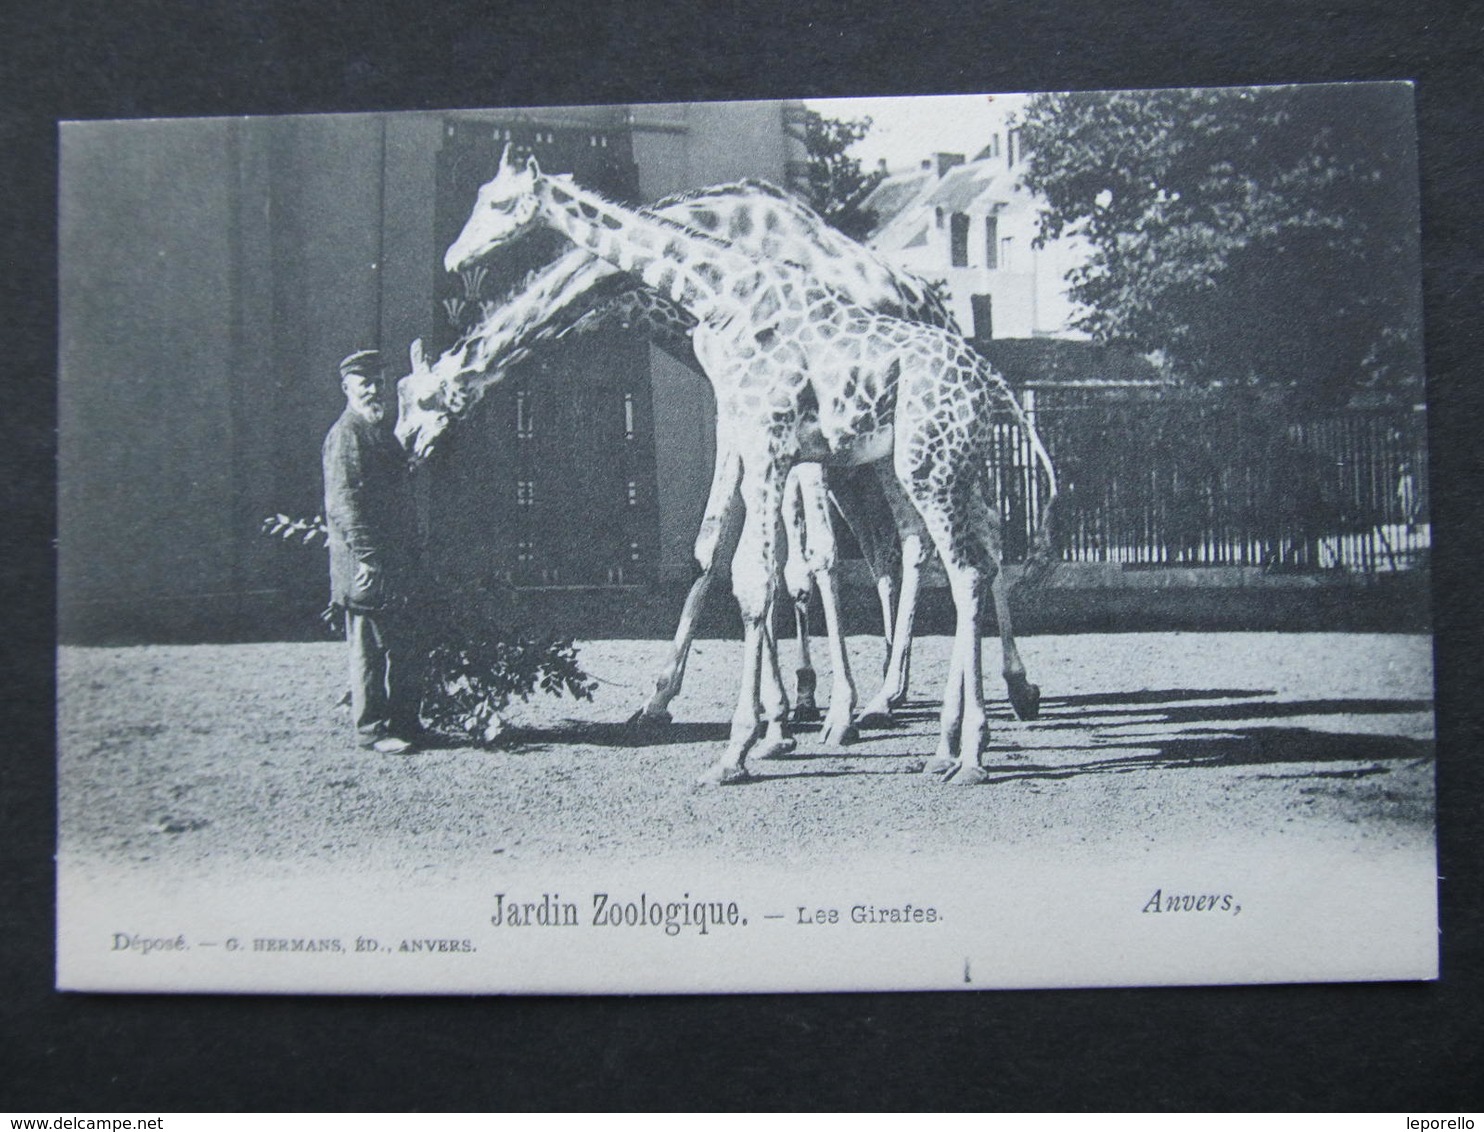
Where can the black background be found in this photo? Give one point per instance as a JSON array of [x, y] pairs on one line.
[[1409, 1047]]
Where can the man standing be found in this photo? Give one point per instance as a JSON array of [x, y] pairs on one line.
[[372, 539]]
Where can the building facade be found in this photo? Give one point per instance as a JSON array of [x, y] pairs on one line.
[[969, 224]]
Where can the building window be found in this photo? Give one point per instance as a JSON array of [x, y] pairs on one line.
[[525, 493], [1012, 143], [991, 242], [1005, 261], [982, 309], [525, 426], [628, 416], [633, 494], [958, 240]]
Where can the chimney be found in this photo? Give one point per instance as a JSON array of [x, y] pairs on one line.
[[947, 161]]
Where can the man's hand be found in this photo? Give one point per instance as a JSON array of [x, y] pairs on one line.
[[367, 586]]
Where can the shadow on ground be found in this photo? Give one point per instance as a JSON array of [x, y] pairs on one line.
[[531, 740], [1105, 734], [1254, 747]]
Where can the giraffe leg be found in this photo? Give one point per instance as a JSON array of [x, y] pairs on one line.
[[821, 559], [950, 718], [776, 739], [886, 594], [913, 541], [797, 578], [655, 712], [806, 681], [731, 768], [893, 690], [1025, 697], [963, 718], [754, 570], [839, 722], [859, 500], [967, 586], [898, 676], [937, 472], [718, 527], [913, 549]]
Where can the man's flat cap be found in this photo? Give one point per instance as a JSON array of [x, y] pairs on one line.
[[363, 363]]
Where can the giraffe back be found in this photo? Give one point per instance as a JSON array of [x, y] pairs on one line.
[[578, 294], [765, 222]]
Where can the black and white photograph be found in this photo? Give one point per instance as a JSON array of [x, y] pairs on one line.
[[917, 543]]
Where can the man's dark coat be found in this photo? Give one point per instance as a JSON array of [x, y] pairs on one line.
[[368, 509]]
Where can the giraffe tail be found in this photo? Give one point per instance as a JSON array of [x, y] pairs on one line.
[[1041, 559]]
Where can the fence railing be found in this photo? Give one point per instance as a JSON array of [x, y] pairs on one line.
[[1179, 478]]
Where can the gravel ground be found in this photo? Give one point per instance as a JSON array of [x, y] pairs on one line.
[[197, 759]]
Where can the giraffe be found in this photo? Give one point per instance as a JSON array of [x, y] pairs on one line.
[[577, 293], [571, 296], [802, 374]]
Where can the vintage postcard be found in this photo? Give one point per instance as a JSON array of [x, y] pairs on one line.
[[938, 543]]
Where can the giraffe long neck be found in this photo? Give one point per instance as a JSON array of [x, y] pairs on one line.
[[549, 303], [705, 277], [574, 294], [656, 317]]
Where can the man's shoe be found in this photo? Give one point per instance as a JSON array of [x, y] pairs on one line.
[[391, 745]]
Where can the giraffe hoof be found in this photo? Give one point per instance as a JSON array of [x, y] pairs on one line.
[[643, 721], [723, 774], [806, 713], [1025, 697], [972, 775], [875, 720], [840, 733], [939, 764], [773, 748]]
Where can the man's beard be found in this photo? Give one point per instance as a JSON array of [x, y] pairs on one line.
[[373, 411]]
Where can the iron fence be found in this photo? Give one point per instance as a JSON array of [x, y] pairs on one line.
[[1166, 478]]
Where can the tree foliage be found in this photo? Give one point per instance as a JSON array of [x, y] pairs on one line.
[[835, 184], [1250, 236], [472, 669]]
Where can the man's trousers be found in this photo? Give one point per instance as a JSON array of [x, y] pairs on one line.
[[384, 676]]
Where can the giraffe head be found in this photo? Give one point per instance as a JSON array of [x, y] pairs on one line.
[[428, 399], [504, 208]]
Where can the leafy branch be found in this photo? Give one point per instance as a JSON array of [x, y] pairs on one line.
[[473, 665], [288, 528]]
